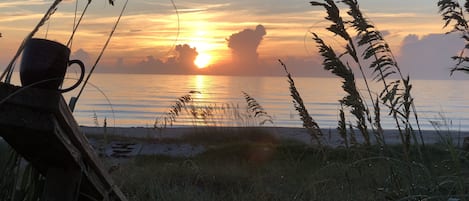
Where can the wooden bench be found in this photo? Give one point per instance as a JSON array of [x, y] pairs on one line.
[[39, 125]]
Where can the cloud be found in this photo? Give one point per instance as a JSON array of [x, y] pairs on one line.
[[246, 60], [430, 55], [147, 65], [12, 4], [244, 45], [186, 56], [14, 17], [81, 54], [410, 39], [305, 66], [84, 57], [385, 33], [181, 63]]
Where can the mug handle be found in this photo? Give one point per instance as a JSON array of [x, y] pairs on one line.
[[82, 75]]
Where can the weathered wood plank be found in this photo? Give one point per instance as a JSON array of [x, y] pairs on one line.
[[65, 117], [39, 99], [62, 184], [41, 127]]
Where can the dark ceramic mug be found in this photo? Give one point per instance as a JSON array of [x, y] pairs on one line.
[[44, 63]]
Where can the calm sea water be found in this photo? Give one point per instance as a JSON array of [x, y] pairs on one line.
[[134, 100]]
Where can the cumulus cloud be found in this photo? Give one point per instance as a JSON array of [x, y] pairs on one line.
[[244, 49], [244, 45], [409, 39], [186, 55], [430, 55], [81, 54], [182, 62]]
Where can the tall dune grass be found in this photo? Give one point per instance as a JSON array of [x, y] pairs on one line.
[[269, 169], [365, 44], [308, 121], [453, 14]]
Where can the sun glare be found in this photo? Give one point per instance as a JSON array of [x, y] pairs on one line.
[[202, 60]]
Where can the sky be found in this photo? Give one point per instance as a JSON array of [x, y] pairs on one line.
[[221, 37]]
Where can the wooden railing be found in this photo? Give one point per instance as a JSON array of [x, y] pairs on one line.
[[39, 125]]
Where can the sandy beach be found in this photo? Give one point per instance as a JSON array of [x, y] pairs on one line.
[[150, 138]]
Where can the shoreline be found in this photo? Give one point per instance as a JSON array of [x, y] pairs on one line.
[[331, 136], [149, 141]]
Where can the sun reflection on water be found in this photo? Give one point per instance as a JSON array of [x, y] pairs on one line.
[[201, 87]]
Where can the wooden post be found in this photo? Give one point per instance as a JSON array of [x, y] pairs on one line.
[[39, 125]]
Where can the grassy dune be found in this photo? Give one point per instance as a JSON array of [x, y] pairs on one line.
[[258, 166], [265, 168]]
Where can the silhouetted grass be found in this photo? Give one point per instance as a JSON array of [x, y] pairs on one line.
[[255, 165], [212, 114], [455, 15], [308, 121], [395, 95], [257, 110]]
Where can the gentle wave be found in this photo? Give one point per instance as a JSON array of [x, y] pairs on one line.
[[137, 100]]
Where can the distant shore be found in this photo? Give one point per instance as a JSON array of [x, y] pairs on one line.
[[331, 137]]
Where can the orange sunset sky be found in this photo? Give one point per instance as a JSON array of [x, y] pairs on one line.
[[226, 37]]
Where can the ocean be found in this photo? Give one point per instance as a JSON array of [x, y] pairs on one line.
[[137, 100]]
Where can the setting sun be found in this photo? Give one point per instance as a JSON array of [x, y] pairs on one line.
[[202, 60]]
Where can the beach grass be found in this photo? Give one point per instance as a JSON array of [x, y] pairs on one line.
[[256, 165], [291, 170]]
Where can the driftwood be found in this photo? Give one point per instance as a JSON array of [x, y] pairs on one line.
[[39, 125]]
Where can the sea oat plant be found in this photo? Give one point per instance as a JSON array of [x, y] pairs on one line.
[[396, 95], [308, 121], [213, 114], [256, 110], [454, 14]]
